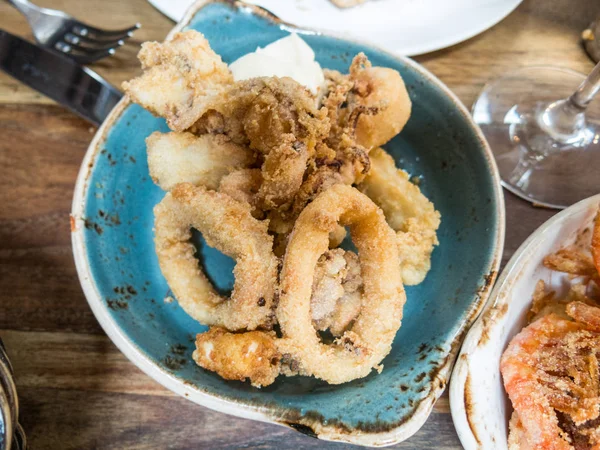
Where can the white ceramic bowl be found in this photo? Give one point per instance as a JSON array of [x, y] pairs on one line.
[[479, 405]]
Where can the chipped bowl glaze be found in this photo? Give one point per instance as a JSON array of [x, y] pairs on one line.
[[112, 235], [479, 405]]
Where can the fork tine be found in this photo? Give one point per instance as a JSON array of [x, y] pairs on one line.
[[92, 44], [83, 55], [92, 32]]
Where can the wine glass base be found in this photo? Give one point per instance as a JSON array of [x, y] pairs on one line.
[[532, 163]]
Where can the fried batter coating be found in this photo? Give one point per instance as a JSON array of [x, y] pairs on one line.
[[373, 97], [572, 261], [586, 314], [369, 340], [282, 173], [282, 109], [228, 226], [251, 356], [175, 158], [550, 371], [383, 88], [278, 118], [243, 185], [181, 78], [517, 439], [408, 212]]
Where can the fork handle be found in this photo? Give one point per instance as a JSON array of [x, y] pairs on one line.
[[28, 9]]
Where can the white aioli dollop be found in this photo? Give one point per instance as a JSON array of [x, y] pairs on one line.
[[287, 57]]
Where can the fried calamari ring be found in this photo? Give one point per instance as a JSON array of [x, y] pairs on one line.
[[252, 355], [408, 212], [228, 226], [369, 340], [200, 160]]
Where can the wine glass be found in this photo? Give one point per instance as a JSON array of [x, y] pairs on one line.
[[544, 132]]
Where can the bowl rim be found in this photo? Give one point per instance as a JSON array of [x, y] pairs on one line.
[[464, 421], [133, 352]]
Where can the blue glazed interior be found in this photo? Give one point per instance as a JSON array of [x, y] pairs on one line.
[[437, 144]]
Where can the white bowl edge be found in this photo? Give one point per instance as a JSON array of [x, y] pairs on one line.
[[493, 330]]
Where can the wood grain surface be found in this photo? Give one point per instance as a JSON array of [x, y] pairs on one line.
[[77, 390]]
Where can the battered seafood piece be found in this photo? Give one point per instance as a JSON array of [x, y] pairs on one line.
[[282, 123], [375, 97], [585, 314], [336, 291], [181, 78], [407, 211], [282, 175], [252, 355], [383, 88], [243, 185], [228, 226], [369, 340], [175, 158], [550, 372]]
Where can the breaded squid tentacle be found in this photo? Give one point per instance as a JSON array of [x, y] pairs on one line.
[[228, 226], [364, 346]]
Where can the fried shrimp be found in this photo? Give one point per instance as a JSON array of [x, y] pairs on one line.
[[252, 355], [181, 78], [550, 372], [200, 160], [407, 211], [228, 226], [586, 314], [369, 340]]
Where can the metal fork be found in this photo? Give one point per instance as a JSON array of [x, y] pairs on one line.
[[81, 42]]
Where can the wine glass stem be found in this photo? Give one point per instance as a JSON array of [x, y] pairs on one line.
[[564, 120], [587, 90]]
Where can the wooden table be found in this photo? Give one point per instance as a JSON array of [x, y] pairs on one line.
[[77, 390]]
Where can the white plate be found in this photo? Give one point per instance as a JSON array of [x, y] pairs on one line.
[[406, 27], [479, 405]]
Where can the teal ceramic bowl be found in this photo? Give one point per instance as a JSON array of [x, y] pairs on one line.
[[112, 234]]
